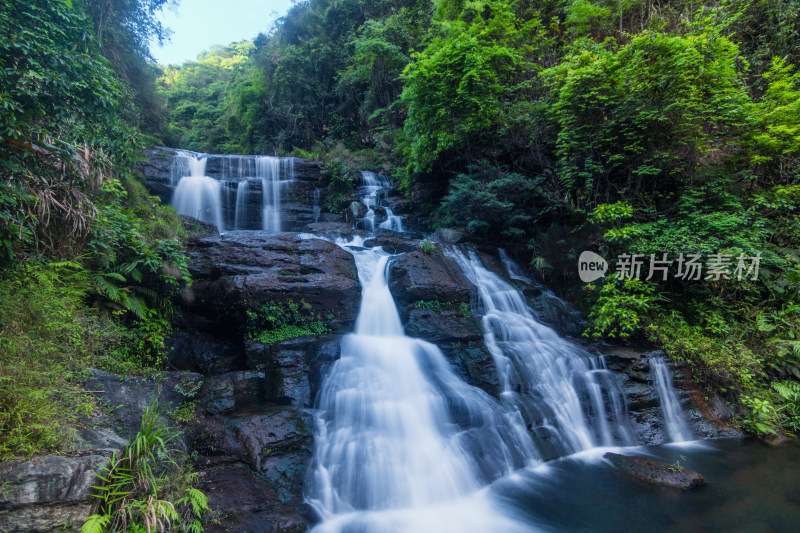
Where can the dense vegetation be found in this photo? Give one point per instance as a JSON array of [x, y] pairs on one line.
[[553, 127], [89, 262]]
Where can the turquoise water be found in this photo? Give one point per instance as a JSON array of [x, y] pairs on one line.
[[751, 487]]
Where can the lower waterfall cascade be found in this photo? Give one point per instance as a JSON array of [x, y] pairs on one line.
[[403, 444], [565, 394]]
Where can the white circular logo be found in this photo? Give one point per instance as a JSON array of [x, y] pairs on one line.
[[591, 267]]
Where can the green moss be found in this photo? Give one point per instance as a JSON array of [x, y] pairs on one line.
[[461, 308], [279, 321]]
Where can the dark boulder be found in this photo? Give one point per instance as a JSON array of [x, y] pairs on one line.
[[449, 235], [200, 344], [242, 271], [286, 368], [392, 244], [46, 492], [356, 210], [656, 472], [214, 441], [278, 442], [417, 276], [234, 390], [243, 503]]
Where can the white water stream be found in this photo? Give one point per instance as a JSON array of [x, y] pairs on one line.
[[240, 177], [402, 443], [674, 419], [565, 394]]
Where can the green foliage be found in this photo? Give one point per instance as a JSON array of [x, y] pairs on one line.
[[789, 393], [622, 308], [634, 117], [467, 90], [342, 181], [203, 99], [762, 418], [491, 203], [147, 487], [90, 261], [427, 247], [279, 321], [462, 309]]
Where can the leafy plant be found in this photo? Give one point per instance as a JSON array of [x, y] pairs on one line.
[[427, 247], [762, 418], [146, 488]]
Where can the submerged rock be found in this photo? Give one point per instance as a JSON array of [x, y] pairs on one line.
[[656, 472]]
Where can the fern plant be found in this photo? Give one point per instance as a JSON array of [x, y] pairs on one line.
[[789, 391], [138, 490]]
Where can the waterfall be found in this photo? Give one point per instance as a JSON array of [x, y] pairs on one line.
[[566, 395], [240, 215], [402, 444], [512, 268], [674, 420], [392, 222], [197, 195], [371, 184], [225, 198], [317, 209], [186, 164], [268, 169]]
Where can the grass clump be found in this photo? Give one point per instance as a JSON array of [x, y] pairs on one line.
[[148, 487]]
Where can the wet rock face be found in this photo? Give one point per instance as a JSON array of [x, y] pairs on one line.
[[433, 298], [244, 503], [457, 333], [632, 368], [656, 472], [242, 271], [45, 492], [278, 444], [417, 276]]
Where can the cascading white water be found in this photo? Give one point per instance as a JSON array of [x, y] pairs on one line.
[[402, 444], [371, 184], [240, 214], [564, 393], [186, 164], [677, 427], [392, 222], [512, 268], [227, 199], [268, 169], [197, 195]]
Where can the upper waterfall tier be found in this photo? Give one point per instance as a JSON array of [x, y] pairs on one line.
[[236, 192]]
